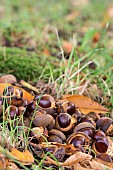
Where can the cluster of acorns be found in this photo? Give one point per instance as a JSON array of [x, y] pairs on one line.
[[59, 122]]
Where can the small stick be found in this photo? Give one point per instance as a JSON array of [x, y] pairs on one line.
[[52, 161], [25, 84]]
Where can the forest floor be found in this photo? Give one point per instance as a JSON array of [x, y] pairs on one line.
[[60, 47]]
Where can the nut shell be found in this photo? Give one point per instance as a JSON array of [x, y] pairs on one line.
[[43, 120], [83, 125], [12, 112], [101, 145], [39, 133], [104, 123], [85, 140], [57, 133]]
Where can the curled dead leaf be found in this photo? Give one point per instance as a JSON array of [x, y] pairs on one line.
[[12, 166], [76, 158], [98, 166], [85, 104], [3, 163], [26, 158], [78, 166]]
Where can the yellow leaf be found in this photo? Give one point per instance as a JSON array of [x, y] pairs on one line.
[[85, 104], [3, 163], [24, 157]]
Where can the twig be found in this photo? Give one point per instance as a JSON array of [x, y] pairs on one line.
[[25, 84]]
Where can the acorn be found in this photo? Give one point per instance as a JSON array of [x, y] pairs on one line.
[[65, 122], [64, 106], [105, 159], [98, 134], [106, 125], [45, 101]]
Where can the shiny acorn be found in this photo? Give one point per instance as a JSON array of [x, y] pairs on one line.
[[105, 159], [45, 101], [98, 134], [106, 125], [65, 122], [64, 106]]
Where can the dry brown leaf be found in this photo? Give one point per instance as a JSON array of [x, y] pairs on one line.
[[98, 166], [26, 158], [79, 167], [104, 162], [85, 104], [12, 166], [76, 158], [3, 163], [26, 95]]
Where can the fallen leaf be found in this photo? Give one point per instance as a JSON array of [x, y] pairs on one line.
[[85, 104], [12, 166], [3, 163], [98, 166], [26, 95], [3, 86], [26, 158], [79, 167], [76, 158]]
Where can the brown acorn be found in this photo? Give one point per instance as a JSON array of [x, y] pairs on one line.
[[65, 122], [106, 125]]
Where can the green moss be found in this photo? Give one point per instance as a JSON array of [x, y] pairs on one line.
[[24, 65]]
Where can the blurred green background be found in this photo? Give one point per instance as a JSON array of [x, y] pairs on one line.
[[29, 31]]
